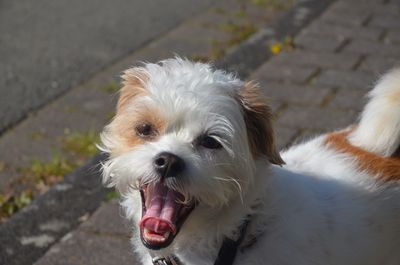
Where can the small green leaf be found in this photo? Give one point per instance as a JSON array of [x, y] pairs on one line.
[[112, 195]]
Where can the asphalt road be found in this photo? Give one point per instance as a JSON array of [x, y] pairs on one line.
[[47, 46]]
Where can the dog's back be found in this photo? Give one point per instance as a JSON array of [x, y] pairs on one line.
[[354, 207], [327, 221]]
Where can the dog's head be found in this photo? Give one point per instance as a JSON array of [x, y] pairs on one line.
[[184, 135]]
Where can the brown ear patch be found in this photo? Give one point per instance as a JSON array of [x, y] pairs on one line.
[[258, 119], [134, 81], [385, 168]]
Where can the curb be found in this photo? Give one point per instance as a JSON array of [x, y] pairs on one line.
[[27, 235]]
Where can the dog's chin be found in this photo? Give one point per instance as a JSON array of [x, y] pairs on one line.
[[163, 214]]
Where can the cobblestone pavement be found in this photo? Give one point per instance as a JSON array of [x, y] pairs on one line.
[[319, 86], [322, 84]]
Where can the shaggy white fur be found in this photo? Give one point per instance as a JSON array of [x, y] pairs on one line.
[[380, 122], [319, 208]]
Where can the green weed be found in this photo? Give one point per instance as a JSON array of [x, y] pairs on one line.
[[112, 195], [51, 171], [83, 144], [111, 87], [10, 204]]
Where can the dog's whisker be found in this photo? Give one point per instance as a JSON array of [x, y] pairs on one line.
[[222, 164], [237, 185]]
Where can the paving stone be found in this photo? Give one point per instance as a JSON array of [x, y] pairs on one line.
[[375, 48], [341, 31], [83, 111], [355, 6], [387, 21], [284, 136], [316, 118], [275, 105], [225, 11], [345, 17], [359, 3], [379, 65], [180, 44], [345, 79], [387, 9], [109, 219], [393, 36], [319, 42], [348, 99], [297, 94], [318, 59], [81, 248], [286, 73], [308, 134]]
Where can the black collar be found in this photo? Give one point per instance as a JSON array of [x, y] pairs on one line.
[[226, 254]]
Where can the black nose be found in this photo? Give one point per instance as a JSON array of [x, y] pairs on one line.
[[168, 164]]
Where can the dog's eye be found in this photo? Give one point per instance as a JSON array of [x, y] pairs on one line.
[[145, 130], [210, 143]]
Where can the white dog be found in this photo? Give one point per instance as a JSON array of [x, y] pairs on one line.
[[192, 152]]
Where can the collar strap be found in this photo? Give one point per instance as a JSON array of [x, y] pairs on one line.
[[228, 250], [226, 254], [170, 260]]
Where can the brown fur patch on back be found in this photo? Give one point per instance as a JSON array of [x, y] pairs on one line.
[[385, 168], [258, 119]]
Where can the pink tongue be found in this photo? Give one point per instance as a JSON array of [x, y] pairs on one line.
[[161, 209]]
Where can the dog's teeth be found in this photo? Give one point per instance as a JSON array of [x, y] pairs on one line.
[[155, 238], [146, 232]]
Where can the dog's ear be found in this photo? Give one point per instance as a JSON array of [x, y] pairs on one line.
[[133, 81], [258, 118]]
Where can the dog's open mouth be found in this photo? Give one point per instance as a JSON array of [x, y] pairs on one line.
[[163, 214]]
